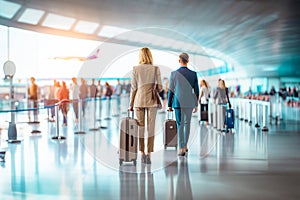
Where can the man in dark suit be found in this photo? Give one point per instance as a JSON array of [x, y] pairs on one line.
[[183, 96]]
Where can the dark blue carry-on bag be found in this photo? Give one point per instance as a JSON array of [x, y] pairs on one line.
[[229, 120]]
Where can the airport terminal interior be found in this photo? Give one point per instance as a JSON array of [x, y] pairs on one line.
[[50, 151]]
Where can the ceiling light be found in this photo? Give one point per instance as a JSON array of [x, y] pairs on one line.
[[111, 31], [58, 21], [31, 16], [8, 9], [86, 27], [269, 69]]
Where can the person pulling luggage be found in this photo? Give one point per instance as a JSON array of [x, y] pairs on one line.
[[183, 97], [143, 78]]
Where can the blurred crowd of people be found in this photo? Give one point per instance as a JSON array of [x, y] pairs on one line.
[[287, 94], [75, 91], [71, 94]]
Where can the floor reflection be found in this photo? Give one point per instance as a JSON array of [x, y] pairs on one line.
[[17, 171], [171, 171], [208, 141], [86, 166], [183, 187], [146, 183], [128, 185]]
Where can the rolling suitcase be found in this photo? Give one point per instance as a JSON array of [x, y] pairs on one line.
[[2, 150], [128, 140], [2, 155], [229, 120], [170, 133], [203, 112], [221, 112]]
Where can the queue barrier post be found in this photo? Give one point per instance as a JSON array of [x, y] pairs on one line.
[[237, 109], [265, 117], [94, 116], [250, 113], [256, 115], [35, 131], [58, 136], [246, 110], [80, 128], [100, 109], [241, 110], [100, 114], [108, 108], [278, 114], [281, 105], [210, 113], [273, 107], [12, 128], [215, 115]]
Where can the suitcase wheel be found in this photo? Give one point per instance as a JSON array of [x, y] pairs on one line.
[[134, 162], [120, 162], [165, 147]]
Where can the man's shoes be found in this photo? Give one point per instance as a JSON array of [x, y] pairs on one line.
[[181, 154]]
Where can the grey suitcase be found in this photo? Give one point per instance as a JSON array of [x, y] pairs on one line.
[[128, 140], [170, 133]]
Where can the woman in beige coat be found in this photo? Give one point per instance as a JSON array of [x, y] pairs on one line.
[[143, 77]]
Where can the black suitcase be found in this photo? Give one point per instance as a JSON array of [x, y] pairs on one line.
[[203, 112], [170, 133], [128, 140], [2, 154]]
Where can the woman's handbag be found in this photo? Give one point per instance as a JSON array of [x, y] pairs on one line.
[[155, 95]]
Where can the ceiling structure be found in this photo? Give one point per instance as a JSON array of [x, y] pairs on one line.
[[263, 36]]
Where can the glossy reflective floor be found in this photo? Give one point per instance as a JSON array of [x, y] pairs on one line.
[[249, 164]]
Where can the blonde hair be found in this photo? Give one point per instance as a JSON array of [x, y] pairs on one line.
[[146, 56], [222, 84]]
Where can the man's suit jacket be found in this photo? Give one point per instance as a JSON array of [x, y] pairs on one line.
[[183, 89], [142, 81]]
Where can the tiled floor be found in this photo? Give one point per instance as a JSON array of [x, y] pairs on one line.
[[249, 164]]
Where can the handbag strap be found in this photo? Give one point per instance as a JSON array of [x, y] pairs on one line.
[[226, 90], [154, 82]]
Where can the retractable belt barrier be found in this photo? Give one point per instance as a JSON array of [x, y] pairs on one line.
[[118, 103], [244, 109]]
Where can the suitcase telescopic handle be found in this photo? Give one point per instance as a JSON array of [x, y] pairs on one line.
[[132, 114], [169, 114]]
